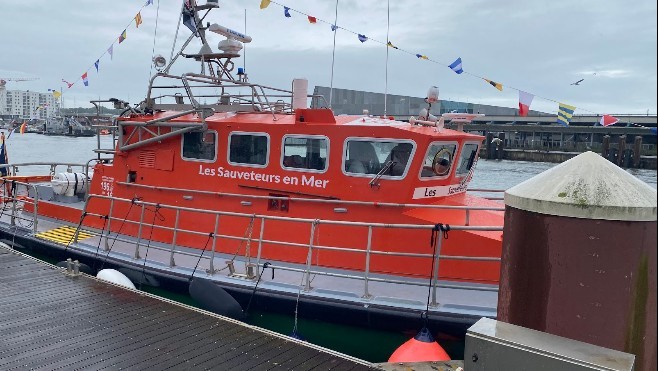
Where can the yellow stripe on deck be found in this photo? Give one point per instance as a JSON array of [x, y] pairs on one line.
[[63, 235]]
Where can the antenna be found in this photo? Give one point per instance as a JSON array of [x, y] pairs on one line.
[[333, 57], [388, 24]]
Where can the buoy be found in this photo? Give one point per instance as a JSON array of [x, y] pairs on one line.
[[215, 299], [84, 268], [116, 277], [420, 348]]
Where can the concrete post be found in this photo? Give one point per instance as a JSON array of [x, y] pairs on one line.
[[579, 257], [637, 151], [621, 149], [605, 149]]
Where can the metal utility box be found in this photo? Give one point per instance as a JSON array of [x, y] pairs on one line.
[[493, 345]]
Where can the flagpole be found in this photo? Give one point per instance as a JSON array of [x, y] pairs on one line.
[[388, 23], [333, 57]]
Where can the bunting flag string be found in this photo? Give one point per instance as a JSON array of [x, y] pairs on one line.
[[137, 20], [456, 66]]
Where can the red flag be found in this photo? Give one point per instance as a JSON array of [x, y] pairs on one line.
[[312, 19], [525, 100], [608, 120]]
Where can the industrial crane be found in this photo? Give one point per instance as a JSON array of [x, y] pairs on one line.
[[3, 80]]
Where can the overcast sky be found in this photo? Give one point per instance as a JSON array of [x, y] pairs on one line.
[[537, 46]]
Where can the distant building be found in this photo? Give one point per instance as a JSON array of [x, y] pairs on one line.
[[353, 102], [25, 104]]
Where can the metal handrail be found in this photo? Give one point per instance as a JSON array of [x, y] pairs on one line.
[[311, 246], [14, 200], [317, 200]]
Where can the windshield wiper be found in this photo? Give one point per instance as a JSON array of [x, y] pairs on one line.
[[375, 181]]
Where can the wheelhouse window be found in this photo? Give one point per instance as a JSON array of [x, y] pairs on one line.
[[305, 153], [438, 160], [467, 159], [375, 156], [200, 146], [248, 149]]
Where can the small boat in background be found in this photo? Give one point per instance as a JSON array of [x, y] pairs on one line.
[[356, 219]]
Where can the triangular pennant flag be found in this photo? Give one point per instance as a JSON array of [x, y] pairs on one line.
[[85, 80], [390, 45], [564, 114], [608, 120], [457, 66], [138, 19], [312, 19], [264, 4], [68, 84], [123, 36], [496, 85], [334, 27], [148, 2], [362, 38], [525, 100], [96, 64], [421, 56], [110, 51], [57, 94], [286, 12]]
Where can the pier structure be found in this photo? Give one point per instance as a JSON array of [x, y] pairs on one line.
[[52, 319]]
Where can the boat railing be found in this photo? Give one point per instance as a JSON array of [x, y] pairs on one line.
[[13, 197], [227, 93], [309, 270], [53, 166], [467, 209]]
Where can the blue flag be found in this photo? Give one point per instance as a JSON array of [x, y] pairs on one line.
[[96, 64], [334, 27], [457, 66], [362, 38], [286, 11]]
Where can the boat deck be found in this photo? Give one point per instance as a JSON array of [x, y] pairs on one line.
[[53, 321]]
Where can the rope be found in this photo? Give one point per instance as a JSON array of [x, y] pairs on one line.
[[77, 230], [210, 235], [100, 239], [434, 239], [156, 212], [132, 203], [266, 265]]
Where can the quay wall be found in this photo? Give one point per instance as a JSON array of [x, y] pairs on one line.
[[646, 162]]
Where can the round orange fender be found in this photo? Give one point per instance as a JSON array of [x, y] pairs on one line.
[[420, 348]]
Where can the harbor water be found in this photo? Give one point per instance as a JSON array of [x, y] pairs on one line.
[[370, 345]]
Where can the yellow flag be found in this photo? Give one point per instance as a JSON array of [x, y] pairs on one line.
[[264, 4], [138, 19], [57, 94], [496, 85]]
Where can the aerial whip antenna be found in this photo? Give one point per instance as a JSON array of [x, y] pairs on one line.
[[333, 56], [388, 24]]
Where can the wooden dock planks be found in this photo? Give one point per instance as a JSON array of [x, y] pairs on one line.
[[50, 321]]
